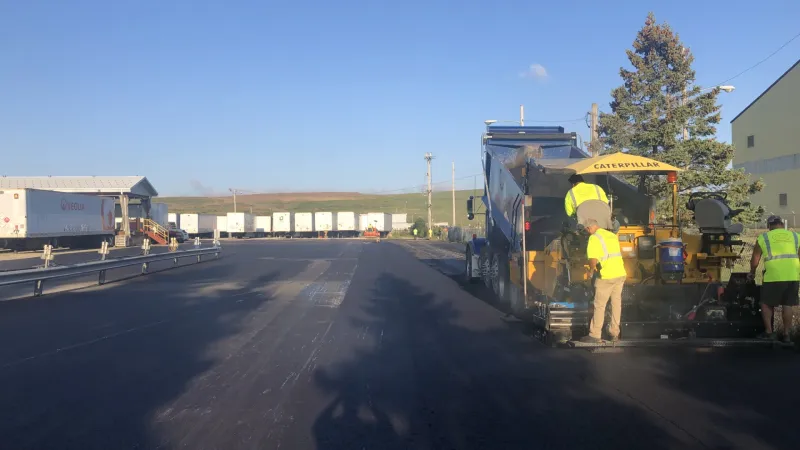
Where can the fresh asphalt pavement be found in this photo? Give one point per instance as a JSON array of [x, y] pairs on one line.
[[354, 345]]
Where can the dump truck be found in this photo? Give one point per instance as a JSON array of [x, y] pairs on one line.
[[533, 257]]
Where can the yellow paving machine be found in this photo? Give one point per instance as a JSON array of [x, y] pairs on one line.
[[533, 256]]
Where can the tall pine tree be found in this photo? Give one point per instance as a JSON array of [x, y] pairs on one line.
[[649, 111]]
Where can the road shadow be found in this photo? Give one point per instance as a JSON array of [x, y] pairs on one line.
[[437, 378], [89, 370], [749, 396]]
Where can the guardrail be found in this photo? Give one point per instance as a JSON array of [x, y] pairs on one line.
[[40, 275]]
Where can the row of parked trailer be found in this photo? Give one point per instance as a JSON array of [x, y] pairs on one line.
[[282, 224]]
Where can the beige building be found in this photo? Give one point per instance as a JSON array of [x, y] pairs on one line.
[[766, 140]]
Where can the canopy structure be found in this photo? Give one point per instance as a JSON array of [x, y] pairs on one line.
[[621, 163], [614, 163], [130, 186]]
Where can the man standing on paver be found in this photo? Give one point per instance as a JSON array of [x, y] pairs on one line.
[[603, 249], [580, 192], [781, 251]]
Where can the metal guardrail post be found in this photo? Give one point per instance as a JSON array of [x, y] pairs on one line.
[[145, 252], [101, 277], [146, 247], [47, 256]]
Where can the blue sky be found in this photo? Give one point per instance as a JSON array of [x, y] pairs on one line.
[[305, 96]]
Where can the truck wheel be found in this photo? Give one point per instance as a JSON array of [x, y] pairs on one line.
[[486, 266], [499, 278]]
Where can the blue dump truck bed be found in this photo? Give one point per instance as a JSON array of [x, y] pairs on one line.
[[507, 151], [545, 150]]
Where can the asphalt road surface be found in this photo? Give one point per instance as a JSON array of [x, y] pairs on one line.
[[354, 345]]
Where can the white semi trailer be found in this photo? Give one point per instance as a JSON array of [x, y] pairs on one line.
[[263, 225], [381, 221], [304, 224], [32, 218], [282, 224], [198, 225], [241, 224], [346, 224], [222, 225], [324, 223]]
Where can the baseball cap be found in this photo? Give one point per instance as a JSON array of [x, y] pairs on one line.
[[774, 220], [574, 178]]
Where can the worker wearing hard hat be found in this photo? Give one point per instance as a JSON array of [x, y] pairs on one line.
[[605, 258], [779, 248], [580, 192]]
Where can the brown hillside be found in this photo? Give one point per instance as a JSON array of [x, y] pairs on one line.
[[300, 196]]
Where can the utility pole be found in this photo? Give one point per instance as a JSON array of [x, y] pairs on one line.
[[454, 193], [428, 158], [521, 115], [234, 199], [593, 128]]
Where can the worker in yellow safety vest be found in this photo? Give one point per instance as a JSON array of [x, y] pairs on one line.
[[580, 192], [780, 250], [605, 258]]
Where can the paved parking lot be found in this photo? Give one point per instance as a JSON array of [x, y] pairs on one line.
[[346, 344]]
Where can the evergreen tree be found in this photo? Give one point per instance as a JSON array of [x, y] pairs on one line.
[[649, 111]]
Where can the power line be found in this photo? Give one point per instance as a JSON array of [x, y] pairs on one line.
[[760, 62]]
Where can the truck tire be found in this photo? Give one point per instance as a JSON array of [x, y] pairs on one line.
[[500, 278], [486, 266]]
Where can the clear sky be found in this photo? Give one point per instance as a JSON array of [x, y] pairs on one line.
[[201, 96]]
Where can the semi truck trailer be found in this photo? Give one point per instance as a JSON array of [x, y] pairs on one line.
[[381, 222], [282, 224], [222, 225], [198, 225], [304, 224], [346, 224], [241, 224], [32, 218], [263, 226], [324, 223]]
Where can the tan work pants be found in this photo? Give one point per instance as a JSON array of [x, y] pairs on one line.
[[605, 290]]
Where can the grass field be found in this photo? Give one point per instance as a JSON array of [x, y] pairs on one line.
[[266, 204]]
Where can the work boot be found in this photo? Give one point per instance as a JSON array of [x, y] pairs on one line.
[[590, 340], [767, 336], [615, 339]]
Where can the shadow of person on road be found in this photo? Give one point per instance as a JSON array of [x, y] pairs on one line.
[[443, 372]]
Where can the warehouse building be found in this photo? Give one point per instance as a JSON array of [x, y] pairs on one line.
[[764, 135]]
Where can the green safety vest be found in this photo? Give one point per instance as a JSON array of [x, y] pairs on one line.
[[779, 251]]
